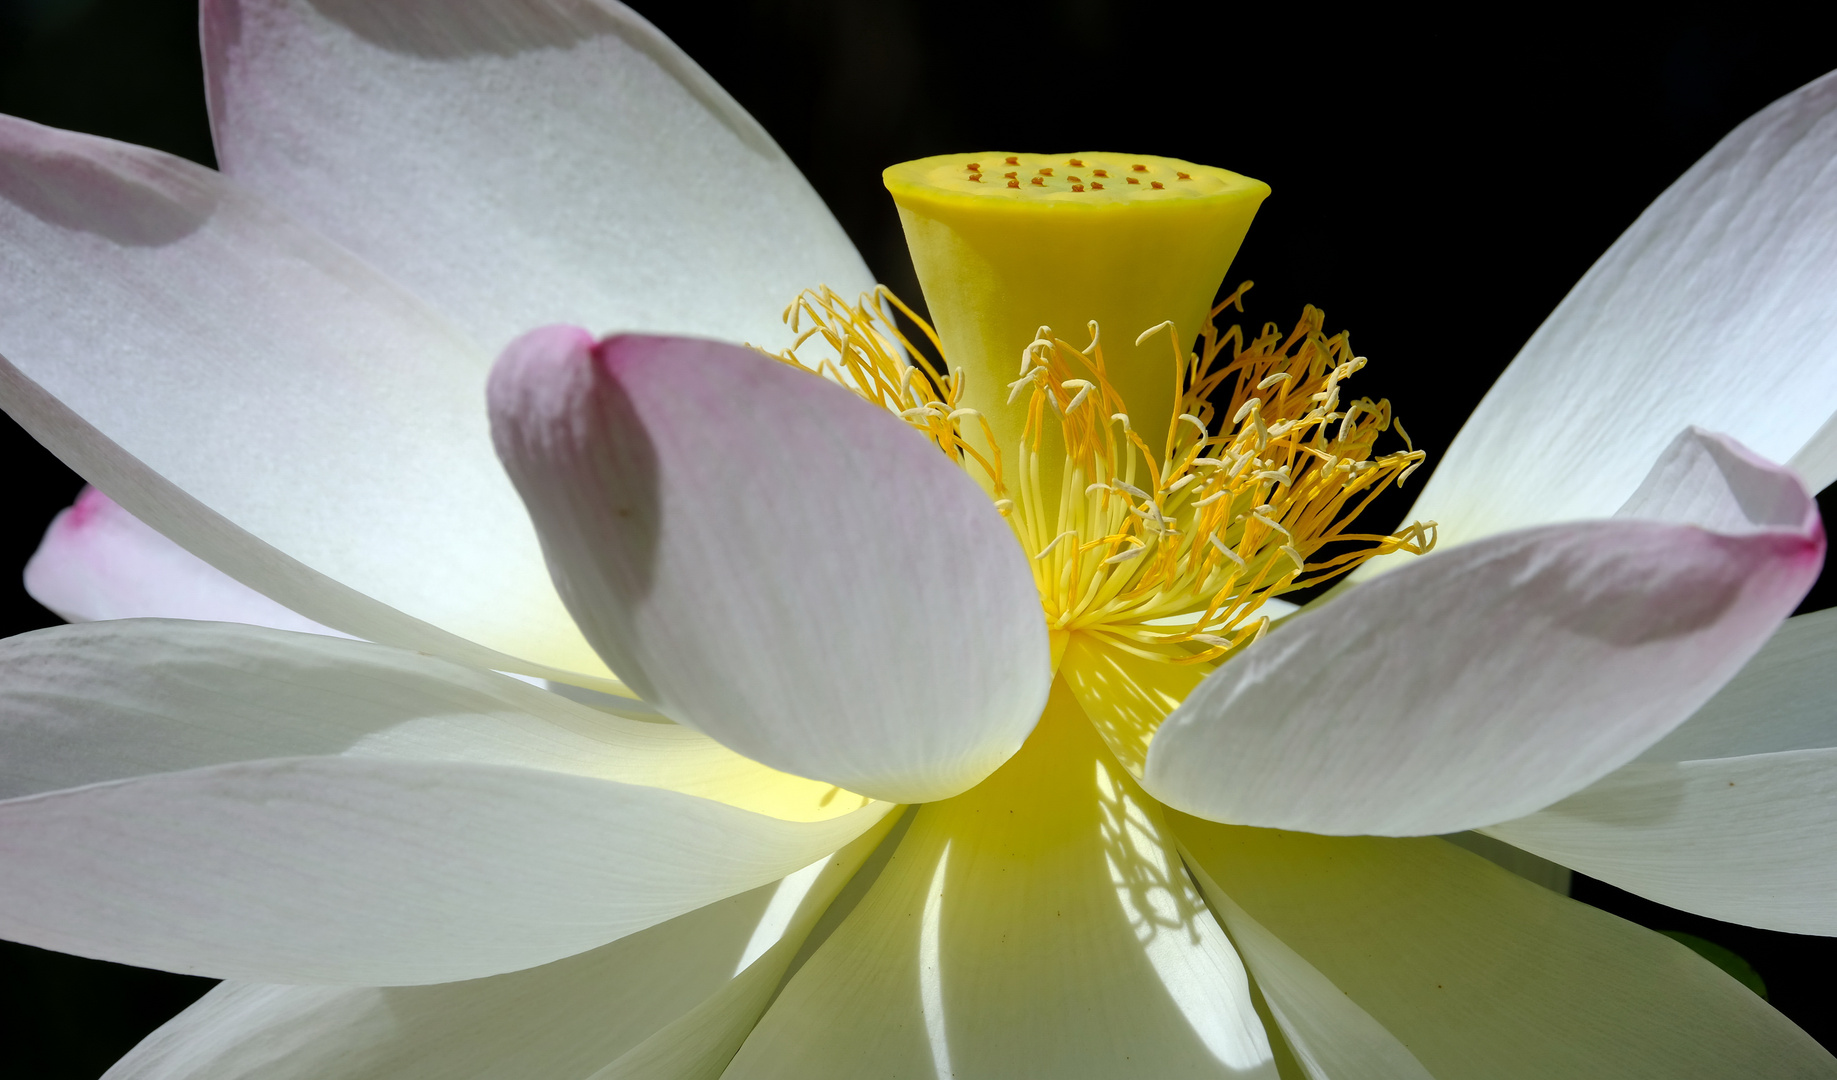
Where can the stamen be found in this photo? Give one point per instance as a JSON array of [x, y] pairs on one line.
[[1205, 526]]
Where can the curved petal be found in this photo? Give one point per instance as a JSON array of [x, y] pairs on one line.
[[1749, 840], [1481, 974], [448, 824], [567, 1018], [1329, 1034], [111, 701], [521, 162], [1783, 699], [97, 561], [1480, 684], [1713, 308], [1732, 815], [774, 561], [1037, 925], [564, 1019], [264, 398], [375, 871]]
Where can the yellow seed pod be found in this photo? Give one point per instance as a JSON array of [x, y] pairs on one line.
[[1007, 243]]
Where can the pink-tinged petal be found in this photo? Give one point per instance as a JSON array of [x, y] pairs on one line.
[[267, 400], [774, 561], [1714, 308], [97, 561], [1483, 683], [521, 162]]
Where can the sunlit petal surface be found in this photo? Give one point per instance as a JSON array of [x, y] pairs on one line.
[[521, 162], [1039, 924]]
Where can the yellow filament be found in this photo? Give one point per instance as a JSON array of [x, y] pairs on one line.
[[1161, 543]]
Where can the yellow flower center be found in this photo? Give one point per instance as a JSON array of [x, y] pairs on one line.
[[1162, 493]]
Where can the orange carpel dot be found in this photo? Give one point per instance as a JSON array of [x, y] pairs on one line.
[[1014, 183], [1045, 172], [1075, 163], [1037, 182], [1154, 184], [1095, 186], [1100, 172], [1139, 167], [1077, 187], [1076, 179], [1013, 161], [1183, 176], [1132, 179], [973, 167], [1010, 175], [976, 177]]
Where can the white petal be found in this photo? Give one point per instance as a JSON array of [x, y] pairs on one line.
[[97, 561], [1037, 925], [1714, 308], [1480, 974], [1784, 699], [265, 399], [110, 701], [774, 561], [564, 1019], [469, 825], [1749, 840], [699, 1044], [375, 871], [1480, 684], [1732, 815], [594, 174], [1330, 1035]]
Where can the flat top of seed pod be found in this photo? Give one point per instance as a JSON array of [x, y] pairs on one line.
[[1094, 179]]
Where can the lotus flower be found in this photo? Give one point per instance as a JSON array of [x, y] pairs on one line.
[[407, 864]]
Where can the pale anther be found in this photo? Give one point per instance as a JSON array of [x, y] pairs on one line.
[[1152, 331], [1272, 523], [1055, 542], [1227, 552], [1132, 553]]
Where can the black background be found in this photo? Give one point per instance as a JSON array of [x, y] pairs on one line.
[[1439, 182]]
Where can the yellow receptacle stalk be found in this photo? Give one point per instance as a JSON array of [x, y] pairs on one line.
[[1007, 243]]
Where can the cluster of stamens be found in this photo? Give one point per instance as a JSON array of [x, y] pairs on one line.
[[1168, 550]]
